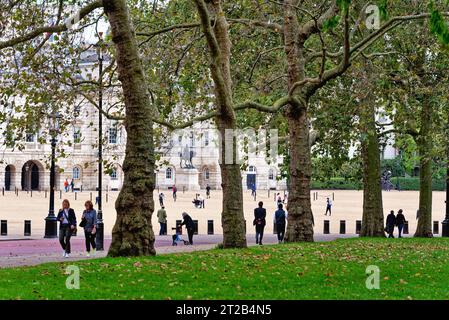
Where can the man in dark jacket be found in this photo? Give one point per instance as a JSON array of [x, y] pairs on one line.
[[391, 223], [400, 222], [259, 221], [190, 225], [279, 219]]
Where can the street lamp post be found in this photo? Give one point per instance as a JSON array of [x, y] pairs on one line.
[[50, 221], [100, 223], [445, 223]]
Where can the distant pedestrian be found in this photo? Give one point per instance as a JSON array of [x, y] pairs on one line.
[[259, 222], [328, 207], [72, 185], [253, 190], [280, 221], [201, 200], [66, 185], [162, 218], [175, 190], [190, 226], [400, 222], [161, 199], [90, 226], [67, 224], [279, 198], [208, 191], [391, 223]]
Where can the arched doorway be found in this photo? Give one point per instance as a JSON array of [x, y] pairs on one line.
[[32, 175], [10, 172]]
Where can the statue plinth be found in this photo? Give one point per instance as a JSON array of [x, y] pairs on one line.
[[188, 179]]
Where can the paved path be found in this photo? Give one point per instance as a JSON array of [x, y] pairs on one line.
[[28, 252]]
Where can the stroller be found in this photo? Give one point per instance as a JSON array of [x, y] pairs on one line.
[[177, 236], [197, 203]]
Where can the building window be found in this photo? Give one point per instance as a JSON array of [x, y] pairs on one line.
[[76, 173], [252, 169], [113, 135], [30, 137], [113, 174], [179, 139], [206, 138], [271, 174], [206, 174], [168, 174], [76, 135]]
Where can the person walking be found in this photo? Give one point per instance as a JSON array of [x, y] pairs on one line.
[[201, 200], [66, 185], [253, 190], [89, 223], [67, 224], [190, 226], [328, 207], [391, 223], [162, 218], [175, 190], [72, 185], [400, 222], [259, 221], [161, 199], [279, 219], [208, 191]]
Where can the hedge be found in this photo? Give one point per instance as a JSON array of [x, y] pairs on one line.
[[410, 183]]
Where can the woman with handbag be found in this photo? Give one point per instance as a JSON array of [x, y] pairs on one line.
[[67, 225], [89, 223]]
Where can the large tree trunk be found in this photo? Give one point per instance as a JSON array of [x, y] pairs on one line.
[[373, 217], [300, 217], [232, 216], [133, 233], [424, 141]]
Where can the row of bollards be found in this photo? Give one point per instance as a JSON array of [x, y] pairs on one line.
[[26, 228]]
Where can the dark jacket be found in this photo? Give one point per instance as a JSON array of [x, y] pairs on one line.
[[188, 222], [400, 219], [71, 217], [391, 222], [279, 217], [259, 216], [91, 219]]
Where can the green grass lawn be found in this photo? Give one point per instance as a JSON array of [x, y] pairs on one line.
[[409, 269]]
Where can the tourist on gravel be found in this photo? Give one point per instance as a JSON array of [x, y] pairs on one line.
[[66, 217], [208, 192], [190, 226], [391, 223], [175, 190], [328, 207], [89, 223], [259, 221], [400, 222], [162, 218], [161, 199], [279, 220]]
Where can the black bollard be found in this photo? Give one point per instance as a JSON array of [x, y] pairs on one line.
[[326, 227], [405, 231], [436, 229], [342, 226], [31, 193], [333, 196], [60, 194], [358, 226], [4, 228], [107, 195], [274, 228], [27, 228], [3, 191], [75, 196], [45, 194], [195, 230], [91, 196], [210, 226]]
